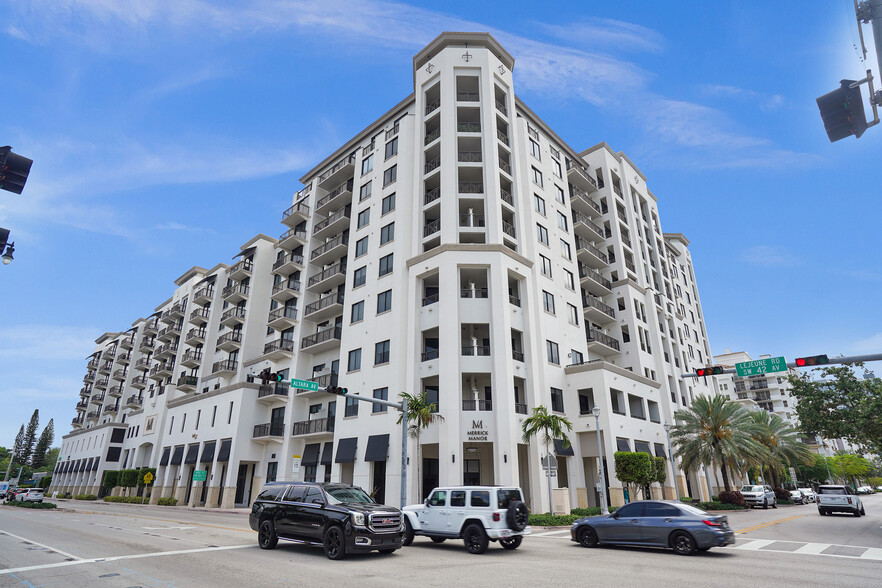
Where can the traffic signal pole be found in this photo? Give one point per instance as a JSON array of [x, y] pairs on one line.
[[792, 364]]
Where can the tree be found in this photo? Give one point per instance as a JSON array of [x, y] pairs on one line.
[[817, 471], [52, 458], [660, 467], [634, 469], [30, 438], [781, 442], [420, 414], [715, 432], [38, 459], [840, 405], [111, 479], [851, 466], [549, 427], [18, 447]]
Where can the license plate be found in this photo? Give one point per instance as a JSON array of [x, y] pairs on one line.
[[505, 533]]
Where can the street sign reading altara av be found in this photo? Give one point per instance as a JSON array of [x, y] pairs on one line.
[[769, 365], [304, 384]]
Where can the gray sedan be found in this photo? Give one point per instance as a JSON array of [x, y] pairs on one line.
[[655, 523]]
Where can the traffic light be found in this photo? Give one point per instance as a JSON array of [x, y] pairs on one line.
[[14, 170], [842, 111], [275, 377], [336, 390], [270, 376], [813, 360], [714, 370]]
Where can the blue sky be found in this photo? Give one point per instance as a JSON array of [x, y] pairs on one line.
[[167, 133]]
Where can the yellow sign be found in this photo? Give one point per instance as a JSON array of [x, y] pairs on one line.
[[148, 478]]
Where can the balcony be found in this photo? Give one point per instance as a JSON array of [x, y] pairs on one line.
[[127, 343], [593, 282], [339, 196], [279, 349], [191, 358], [235, 292], [430, 299], [151, 327], [86, 391], [174, 313], [269, 432], [470, 187], [433, 105], [509, 230], [327, 278], [322, 340], [432, 164], [93, 364], [102, 383], [146, 345], [288, 264], [204, 295], [517, 355], [587, 228], [199, 316], [432, 195], [97, 399], [601, 343], [230, 341], [432, 227], [115, 391], [168, 350], [590, 255], [468, 127], [143, 363], [323, 381], [286, 290], [93, 415], [313, 427], [111, 409], [187, 383], [276, 393], [240, 270], [133, 402], [282, 318], [474, 292], [596, 311], [581, 201], [476, 350], [472, 220], [76, 423], [505, 166], [162, 370], [431, 136], [82, 405], [139, 382], [473, 405], [429, 355], [333, 249], [224, 367], [335, 223], [578, 176], [293, 238], [233, 316], [124, 358], [195, 336], [296, 214], [106, 367], [168, 333], [89, 378], [521, 408], [338, 172]]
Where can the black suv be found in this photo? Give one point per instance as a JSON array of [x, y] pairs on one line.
[[341, 518]]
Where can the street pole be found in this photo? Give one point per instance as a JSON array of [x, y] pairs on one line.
[[403, 452], [548, 477], [603, 508], [9, 467], [671, 455]]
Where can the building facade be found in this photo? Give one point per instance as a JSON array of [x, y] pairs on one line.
[[556, 284]]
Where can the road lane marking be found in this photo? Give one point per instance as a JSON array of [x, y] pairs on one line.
[[122, 557], [58, 551], [129, 516], [769, 524], [813, 548], [755, 544], [166, 528], [872, 553], [547, 533]]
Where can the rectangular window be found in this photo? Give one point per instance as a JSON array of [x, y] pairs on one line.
[[384, 301], [546, 266], [381, 352], [359, 277], [213, 414], [565, 250], [552, 352], [351, 409], [390, 175], [537, 177], [576, 357], [617, 401], [586, 400], [540, 204], [272, 470], [574, 314], [534, 149], [392, 148], [558, 170], [387, 233], [380, 394], [386, 265], [569, 280], [361, 247], [230, 415], [548, 301], [388, 204], [432, 397], [542, 234], [365, 192], [354, 360], [557, 403], [367, 164], [560, 195], [357, 312], [364, 217], [562, 221]]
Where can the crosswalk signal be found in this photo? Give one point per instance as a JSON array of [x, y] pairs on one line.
[[14, 170], [842, 111], [340, 391], [811, 361], [714, 370]]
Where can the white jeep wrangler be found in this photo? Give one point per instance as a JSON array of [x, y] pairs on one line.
[[477, 514]]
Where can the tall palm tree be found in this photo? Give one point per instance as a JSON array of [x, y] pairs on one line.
[[549, 427], [715, 432], [781, 442], [420, 414]]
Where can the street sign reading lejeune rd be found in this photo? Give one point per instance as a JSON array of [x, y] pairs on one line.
[[769, 365], [304, 384]]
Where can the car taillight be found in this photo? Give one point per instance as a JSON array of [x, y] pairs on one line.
[[849, 500], [496, 517], [712, 523]]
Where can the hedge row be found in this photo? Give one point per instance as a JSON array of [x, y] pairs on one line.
[[591, 511], [127, 499], [32, 504], [168, 501], [719, 506], [85, 497]]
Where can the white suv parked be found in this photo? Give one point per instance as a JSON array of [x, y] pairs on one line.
[[759, 495], [476, 514]]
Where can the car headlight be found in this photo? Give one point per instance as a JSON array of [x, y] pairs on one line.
[[358, 519]]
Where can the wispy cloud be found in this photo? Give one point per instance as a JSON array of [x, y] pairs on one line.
[[48, 342], [767, 102], [174, 226], [608, 34], [769, 256], [872, 344]]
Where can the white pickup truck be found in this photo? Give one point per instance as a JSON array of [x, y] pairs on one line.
[[838, 499]]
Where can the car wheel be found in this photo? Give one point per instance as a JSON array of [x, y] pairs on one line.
[[863, 512], [438, 539], [822, 512], [511, 542], [334, 543], [587, 537], [765, 505], [775, 504], [683, 543], [517, 515], [857, 513], [475, 539], [266, 535], [407, 539]]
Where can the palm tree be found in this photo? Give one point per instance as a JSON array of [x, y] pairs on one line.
[[715, 432], [549, 427], [420, 414], [781, 442]]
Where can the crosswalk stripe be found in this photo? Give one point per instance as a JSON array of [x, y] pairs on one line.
[[548, 533], [754, 544], [872, 553], [813, 548]]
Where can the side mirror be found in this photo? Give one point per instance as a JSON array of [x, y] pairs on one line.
[[426, 502], [614, 515]]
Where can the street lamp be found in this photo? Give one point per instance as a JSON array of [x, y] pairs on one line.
[[673, 469], [603, 509], [6, 248]]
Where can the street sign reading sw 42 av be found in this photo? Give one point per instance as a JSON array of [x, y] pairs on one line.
[[769, 365]]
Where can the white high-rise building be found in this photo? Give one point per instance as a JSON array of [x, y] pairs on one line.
[[456, 247]]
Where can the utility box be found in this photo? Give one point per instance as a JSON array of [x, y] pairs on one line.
[[561, 501]]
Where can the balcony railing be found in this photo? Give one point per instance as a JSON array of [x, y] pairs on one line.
[[232, 337], [509, 229], [429, 355], [468, 127], [311, 426], [327, 246], [288, 312], [471, 220], [587, 272], [432, 136], [431, 299], [432, 227], [301, 208], [603, 338], [506, 197], [323, 380], [514, 300], [474, 293], [134, 401], [505, 166], [520, 408], [432, 164], [502, 136], [235, 312], [469, 156], [285, 259], [269, 430], [467, 96], [517, 355], [285, 285], [432, 195], [228, 365], [590, 301], [472, 405], [200, 313], [348, 160], [322, 336], [341, 189], [479, 350], [187, 381], [342, 213], [433, 105], [500, 106], [337, 268], [278, 345], [471, 187], [323, 302], [295, 233], [236, 289], [276, 389]]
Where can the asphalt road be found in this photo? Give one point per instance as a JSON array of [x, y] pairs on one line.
[[115, 545]]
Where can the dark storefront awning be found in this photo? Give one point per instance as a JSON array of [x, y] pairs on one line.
[[660, 450], [346, 450], [622, 445], [311, 454], [89, 464], [166, 453], [642, 447], [377, 448], [327, 453], [95, 464], [224, 453], [561, 450], [208, 452], [192, 454], [64, 467], [82, 465], [178, 455]]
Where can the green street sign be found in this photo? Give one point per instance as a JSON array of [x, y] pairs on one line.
[[200, 475], [769, 365], [304, 384]]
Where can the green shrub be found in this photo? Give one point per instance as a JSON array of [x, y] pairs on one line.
[[732, 497], [126, 499], [111, 479], [85, 497], [719, 506], [32, 504], [128, 478], [685, 499], [785, 502], [547, 520], [65, 495], [45, 482], [168, 501], [591, 511], [143, 472]]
